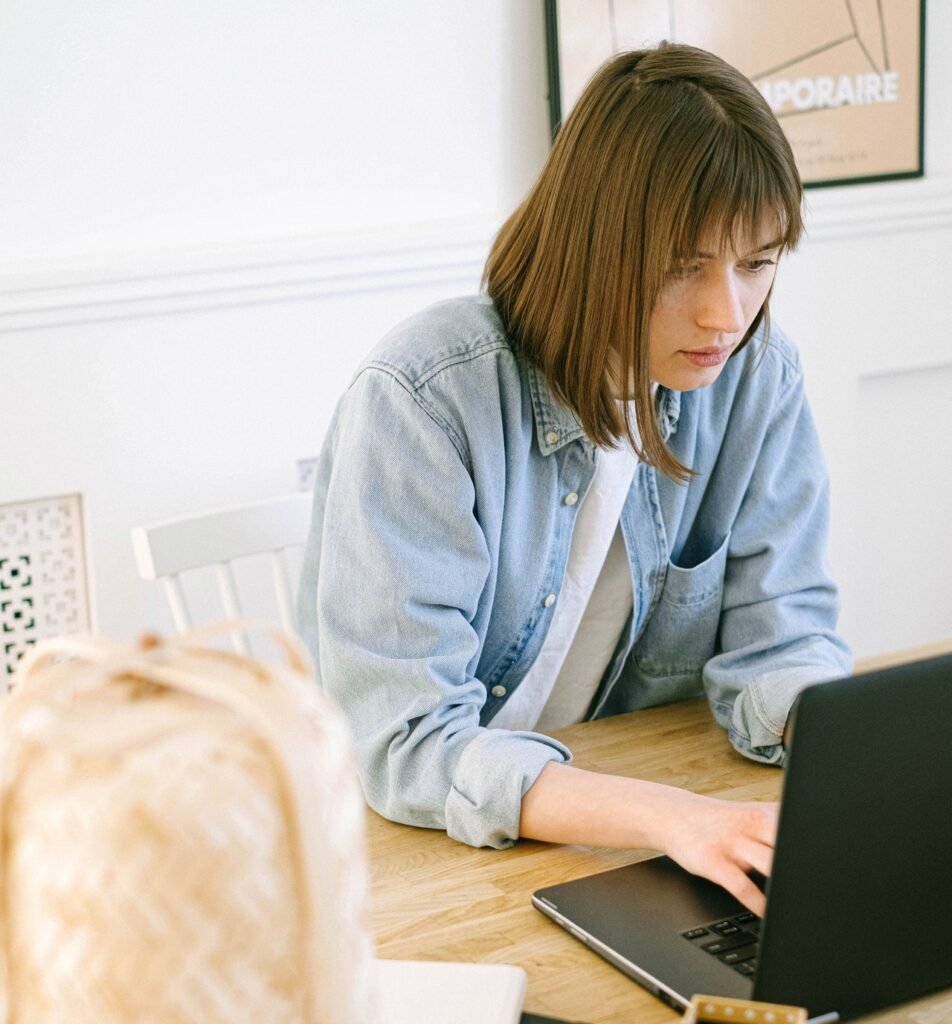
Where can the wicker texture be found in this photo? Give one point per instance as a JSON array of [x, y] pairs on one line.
[[182, 842]]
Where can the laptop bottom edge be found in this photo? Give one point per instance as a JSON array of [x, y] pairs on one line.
[[647, 981], [655, 986]]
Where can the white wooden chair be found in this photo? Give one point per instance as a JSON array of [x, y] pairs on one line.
[[217, 539]]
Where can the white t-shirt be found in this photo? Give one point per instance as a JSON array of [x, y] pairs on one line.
[[592, 609]]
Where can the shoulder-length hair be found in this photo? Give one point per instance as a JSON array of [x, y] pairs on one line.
[[664, 148]]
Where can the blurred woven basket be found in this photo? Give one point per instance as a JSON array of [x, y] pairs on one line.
[[182, 841]]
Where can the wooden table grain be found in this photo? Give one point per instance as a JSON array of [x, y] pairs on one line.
[[433, 898]]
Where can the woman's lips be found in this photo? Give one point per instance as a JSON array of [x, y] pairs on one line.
[[706, 356]]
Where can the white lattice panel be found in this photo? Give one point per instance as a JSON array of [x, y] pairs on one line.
[[44, 587]]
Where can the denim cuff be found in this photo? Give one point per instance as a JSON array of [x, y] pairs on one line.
[[761, 709], [492, 776]]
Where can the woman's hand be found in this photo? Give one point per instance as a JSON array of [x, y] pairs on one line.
[[723, 840], [719, 839]]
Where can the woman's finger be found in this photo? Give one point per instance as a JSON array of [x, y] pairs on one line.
[[751, 854], [742, 888]]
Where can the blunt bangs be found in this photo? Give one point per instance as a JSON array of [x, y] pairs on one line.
[[738, 197], [717, 185]]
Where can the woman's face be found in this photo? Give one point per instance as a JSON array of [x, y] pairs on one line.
[[709, 300]]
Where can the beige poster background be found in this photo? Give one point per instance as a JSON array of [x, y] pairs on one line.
[[842, 76]]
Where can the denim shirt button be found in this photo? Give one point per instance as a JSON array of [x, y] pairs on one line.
[[571, 499], [551, 437], [549, 601], [498, 691]]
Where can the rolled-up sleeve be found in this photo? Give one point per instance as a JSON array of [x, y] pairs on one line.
[[777, 631], [492, 776], [399, 566]]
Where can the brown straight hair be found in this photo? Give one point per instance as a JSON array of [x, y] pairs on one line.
[[665, 148]]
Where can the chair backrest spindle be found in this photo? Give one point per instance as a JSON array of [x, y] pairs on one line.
[[228, 590], [282, 588], [176, 598]]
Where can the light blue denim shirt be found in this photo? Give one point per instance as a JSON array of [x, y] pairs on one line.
[[440, 538]]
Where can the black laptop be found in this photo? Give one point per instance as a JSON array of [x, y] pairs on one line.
[[859, 902]]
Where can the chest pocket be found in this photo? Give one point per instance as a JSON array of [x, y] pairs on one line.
[[681, 634]]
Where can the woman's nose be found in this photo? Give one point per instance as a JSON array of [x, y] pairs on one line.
[[719, 307]]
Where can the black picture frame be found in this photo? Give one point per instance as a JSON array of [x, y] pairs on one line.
[[914, 167]]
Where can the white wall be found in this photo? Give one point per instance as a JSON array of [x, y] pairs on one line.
[[208, 213], [130, 125]]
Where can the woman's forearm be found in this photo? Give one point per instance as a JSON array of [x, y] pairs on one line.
[[723, 840], [571, 805]]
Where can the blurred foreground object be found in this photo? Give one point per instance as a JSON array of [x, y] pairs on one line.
[[183, 840]]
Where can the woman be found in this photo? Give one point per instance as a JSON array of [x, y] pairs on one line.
[[593, 489]]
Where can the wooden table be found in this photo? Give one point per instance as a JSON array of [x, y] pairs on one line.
[[436, 899]]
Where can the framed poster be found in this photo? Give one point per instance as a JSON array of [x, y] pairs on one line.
[[844, 77]]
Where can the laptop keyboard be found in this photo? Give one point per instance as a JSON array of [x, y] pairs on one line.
[[732, 940]]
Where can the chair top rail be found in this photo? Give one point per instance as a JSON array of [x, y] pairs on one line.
[[190, 542]]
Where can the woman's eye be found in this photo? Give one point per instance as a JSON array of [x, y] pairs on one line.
[[754, 266], [680, 270]]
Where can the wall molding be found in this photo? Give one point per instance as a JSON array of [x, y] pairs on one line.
[[890, 207], [163, 283], [275, 271]]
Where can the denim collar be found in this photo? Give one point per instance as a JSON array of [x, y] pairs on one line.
[[557, 425]]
